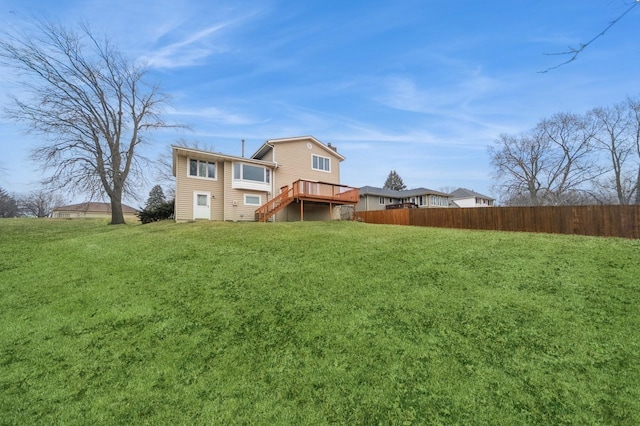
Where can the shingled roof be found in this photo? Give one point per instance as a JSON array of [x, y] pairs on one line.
[[94, 208], [382, 192], [467, 193]]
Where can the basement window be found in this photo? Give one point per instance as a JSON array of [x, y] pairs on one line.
[[252, 200]]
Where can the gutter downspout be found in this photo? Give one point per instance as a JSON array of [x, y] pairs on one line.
[[273, 174]]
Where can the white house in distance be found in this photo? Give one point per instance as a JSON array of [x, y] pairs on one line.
[[463, 197]]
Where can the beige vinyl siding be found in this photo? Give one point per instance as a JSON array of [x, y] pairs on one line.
[[268, 156], [371, 202], [235, 208], [186, 185], [217, 208], [294, 161]]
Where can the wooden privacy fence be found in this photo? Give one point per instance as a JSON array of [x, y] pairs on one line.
[[603, 221]]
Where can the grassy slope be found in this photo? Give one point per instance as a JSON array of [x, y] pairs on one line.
[[311, 323]]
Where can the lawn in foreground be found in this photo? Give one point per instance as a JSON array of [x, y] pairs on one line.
[[315, 323]]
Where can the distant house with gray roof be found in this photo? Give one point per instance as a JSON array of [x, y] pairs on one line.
[[91, 210], [463, 197], [373, 198]]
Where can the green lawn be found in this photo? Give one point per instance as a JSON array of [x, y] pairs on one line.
[[315, 323]]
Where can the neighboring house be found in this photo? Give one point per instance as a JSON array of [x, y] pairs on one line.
[[287, 179], [463, 197], [372, 198], [91, 210]]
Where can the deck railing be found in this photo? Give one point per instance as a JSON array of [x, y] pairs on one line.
[[308, 190], [323, 191]]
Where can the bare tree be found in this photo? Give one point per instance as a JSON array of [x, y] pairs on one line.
[[613, 138], [570, 138], [90, 102], [518, 162], [634, 119], [550, 164], [40, 203], [447, 189]]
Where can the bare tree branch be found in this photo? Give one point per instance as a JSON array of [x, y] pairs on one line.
[[574, 52]]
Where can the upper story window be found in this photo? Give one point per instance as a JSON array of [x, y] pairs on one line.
[[251, 176], [320, 163], [203, 169], [249, 172]]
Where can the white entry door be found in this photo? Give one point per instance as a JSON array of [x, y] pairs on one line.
[[202, 205]]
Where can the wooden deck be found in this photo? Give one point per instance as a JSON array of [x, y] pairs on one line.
[[304, 190]]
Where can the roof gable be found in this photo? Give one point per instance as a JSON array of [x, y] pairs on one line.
[[467, 193], [269, 145]]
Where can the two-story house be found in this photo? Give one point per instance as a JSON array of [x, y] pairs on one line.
[[288, 179], [463, 197]]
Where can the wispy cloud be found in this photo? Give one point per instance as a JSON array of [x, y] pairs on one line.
[[188, 51], [405, 94], [217, 116], [186, 42]]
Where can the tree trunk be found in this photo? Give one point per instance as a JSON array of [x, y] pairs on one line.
[[638, 187], [117, 217]]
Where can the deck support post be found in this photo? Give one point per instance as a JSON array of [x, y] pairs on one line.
[[301, 210]]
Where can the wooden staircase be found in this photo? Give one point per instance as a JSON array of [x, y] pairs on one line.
[[273, 206], [304, 190]]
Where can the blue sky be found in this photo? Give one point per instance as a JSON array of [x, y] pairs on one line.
[[420, 87]]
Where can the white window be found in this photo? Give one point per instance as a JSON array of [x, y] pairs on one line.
[[252, 200], [250, 172], [381, 200], [320, 163], [202, 169]]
